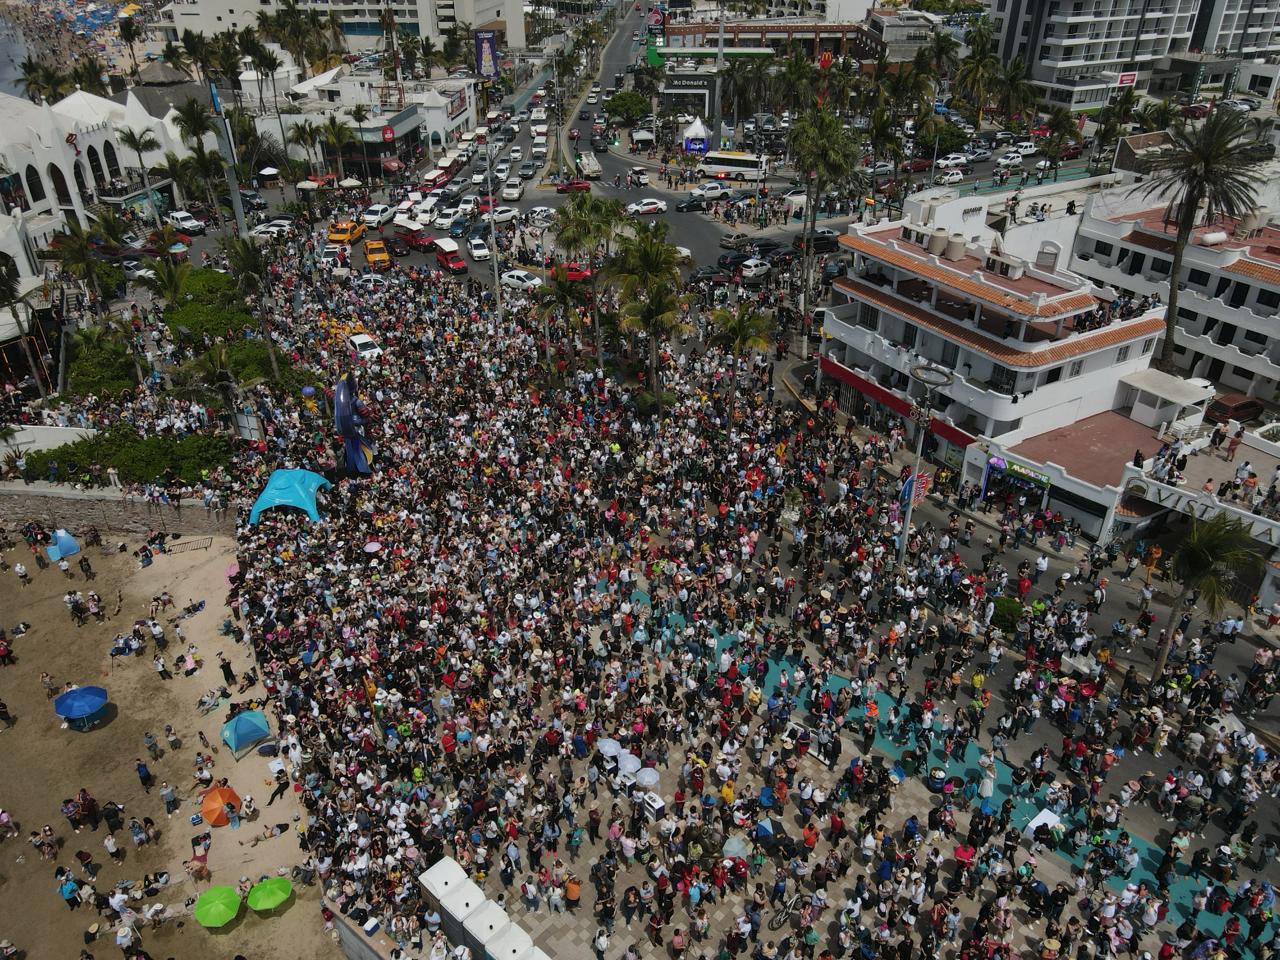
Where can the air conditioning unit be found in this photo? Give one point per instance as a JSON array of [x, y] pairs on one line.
[[1006, 267]]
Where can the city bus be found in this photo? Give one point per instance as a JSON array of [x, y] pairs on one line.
[[732, 165]]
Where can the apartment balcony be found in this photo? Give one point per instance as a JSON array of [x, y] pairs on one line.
[[1255, 359]]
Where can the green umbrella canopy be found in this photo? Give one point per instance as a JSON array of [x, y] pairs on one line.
[[217, 906], [270, 893]]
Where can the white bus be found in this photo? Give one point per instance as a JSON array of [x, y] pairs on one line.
[[732, 165]]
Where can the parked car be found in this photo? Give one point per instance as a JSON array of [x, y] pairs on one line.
[[376, 255], [711, 191], [692, 205], [946, 178], [398, 246], [1234, 406], [953, 161], [646, 207], [378, 215], [521, 280], [346, 231], [1008, 161], [185, 222], [137, 270], [364, 346], [733, 241], [753, 269], [731, 261], [573, 186], [477, 249], [916, 164]]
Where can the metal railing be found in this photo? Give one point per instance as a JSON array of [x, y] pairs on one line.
[[183, 546]]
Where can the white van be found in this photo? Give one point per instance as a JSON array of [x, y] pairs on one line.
[[540, 142], [538, 114], [539, 130], [468, 138], [538, 152]]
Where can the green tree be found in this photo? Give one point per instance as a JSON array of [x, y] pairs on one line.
[[981, 72], [193, 120], [739, 332], [1207, 561], [88, 74], [249, 265], [131, 33], [1157, 115], [1063, 131], [11, 297], [659, 314], [78, 255], [1015, 93], [943, 50], [360, 113], [1215, 165], [176, 57], [170, 281], [305, 134], [560, 300], [207, 168], [140, 142], [627, 106], [337, 133]]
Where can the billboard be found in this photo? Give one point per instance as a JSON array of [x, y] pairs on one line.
[[487, 54]]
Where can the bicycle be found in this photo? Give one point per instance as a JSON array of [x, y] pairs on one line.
[[784, 912]]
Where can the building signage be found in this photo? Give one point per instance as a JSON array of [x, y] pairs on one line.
[[487, 54], [388, 134], [1127, 80], [1018, 470]]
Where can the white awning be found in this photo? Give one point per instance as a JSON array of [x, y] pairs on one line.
[[1185, 393], [696, 131], [639, 135], [319, 80]]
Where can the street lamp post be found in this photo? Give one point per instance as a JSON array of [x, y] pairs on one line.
[[493, 237], [933, 379]]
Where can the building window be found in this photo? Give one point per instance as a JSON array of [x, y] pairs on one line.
[[1102, 248], [1160, 266], [1122, 354], [1148, 345], [1269, 298], [868, 316], [1254, 337], [1199, 277], [1244, 373], [1053, 376], [1003, 380], [909, 332], [1076, 367]]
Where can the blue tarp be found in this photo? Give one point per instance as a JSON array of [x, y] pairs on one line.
[[290, 488], [245, 729], [64, 545]]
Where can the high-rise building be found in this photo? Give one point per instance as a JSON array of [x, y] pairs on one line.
[[1241, 28], [1082, 51]]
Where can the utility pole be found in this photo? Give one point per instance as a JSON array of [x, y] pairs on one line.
[[933, 378], [493, 237], [227, 147]]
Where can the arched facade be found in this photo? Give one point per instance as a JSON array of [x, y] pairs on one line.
[[35, 185], [95, 167], [109, 155], [58, 181]]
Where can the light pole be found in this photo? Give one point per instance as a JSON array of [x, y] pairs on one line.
[[492, 154], [933, 378]]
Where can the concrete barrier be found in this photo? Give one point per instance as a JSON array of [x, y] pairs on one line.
[[64, 506]]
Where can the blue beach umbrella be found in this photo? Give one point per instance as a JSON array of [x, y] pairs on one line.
[[80, 703]]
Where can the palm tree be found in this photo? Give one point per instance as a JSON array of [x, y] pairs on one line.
[[170, 281], [1214, 164], [429, 54], [799, 77], [1157, 115], [78, 254], [739, 332], [338, 135], [88, 73], [410, 50], [10, 296], [252, 272], [1062, 131], [131, 32], [44, 82], [1209, 557], [140, 142], [824, 153], [225, 62], [305, 134], [176, 57], [659, 314], [1015, 93], [981, 71], [176, 169], [199, 51], [943, 50], [32, 78], [193, 121], [559, 299], [360, 113], [208, 168]]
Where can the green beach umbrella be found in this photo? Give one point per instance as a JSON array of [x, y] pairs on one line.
[[217, 906], [270, 893]]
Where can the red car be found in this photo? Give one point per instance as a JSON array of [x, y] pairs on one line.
[[570, 271], [917, 164], [1071, 151], [574, 186], [575, 133], [1196, 111], [886, 186]]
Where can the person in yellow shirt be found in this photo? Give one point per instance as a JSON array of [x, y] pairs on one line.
[[726, 793]]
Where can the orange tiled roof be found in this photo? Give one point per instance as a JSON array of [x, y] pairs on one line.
[[986, 292], [1073, 347], [1243, 267]]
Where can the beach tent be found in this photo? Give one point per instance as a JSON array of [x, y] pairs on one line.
[[64, 545], [290, 488], [244, 730]]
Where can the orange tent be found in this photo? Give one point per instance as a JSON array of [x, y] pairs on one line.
[[213, 806]]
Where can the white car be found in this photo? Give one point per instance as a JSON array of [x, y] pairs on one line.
[[710, 191], [1009, 161], [521, 280], [592, 98], [978, 154], [879, 169], [501, 215], [378, 215], [952, 160], [479, 177], [684, 254], [1027, 148], [947, 177], [447, 218], [136, 270], [186, 222], [478, 249], [1046, 165], [647, 206], [516, 155], [753, 269], [685, 118], [329, 255], [469, 204], [365, 347], [541, 215], [513, 189], [264, 231]]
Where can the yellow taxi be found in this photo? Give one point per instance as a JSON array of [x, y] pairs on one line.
[[376, 255], [346, 231]]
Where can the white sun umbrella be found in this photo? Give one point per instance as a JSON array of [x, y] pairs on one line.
[[609, 747], [349, 182], [647, 777], [628, 763], [268, 172], [308, 185]]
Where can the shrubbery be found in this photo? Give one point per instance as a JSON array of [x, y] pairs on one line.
[[103, 368], [138, 459]]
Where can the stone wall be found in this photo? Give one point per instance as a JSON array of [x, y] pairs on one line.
[[74, 510]]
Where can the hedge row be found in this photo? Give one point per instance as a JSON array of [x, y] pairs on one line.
[[138, 459]]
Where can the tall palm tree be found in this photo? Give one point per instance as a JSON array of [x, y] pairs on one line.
[[943, 50], [31, 77], [824, 153], [194, 121], [1215, 164], [199, 52], [131, 33], [559, 299], [176, 57], [981, 72], [252, 272], [659, 314], [1063, 130], [739, 332], [226, 63], [140, 142], [338, 135], [11, 297], [360, 113], [410, 50], [1209, 557], [429, 54], [170, 281], [1157, 115], [88, 74], [1015, 93], [176, 169], [305, 134], [78, 254], [208, 168]]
